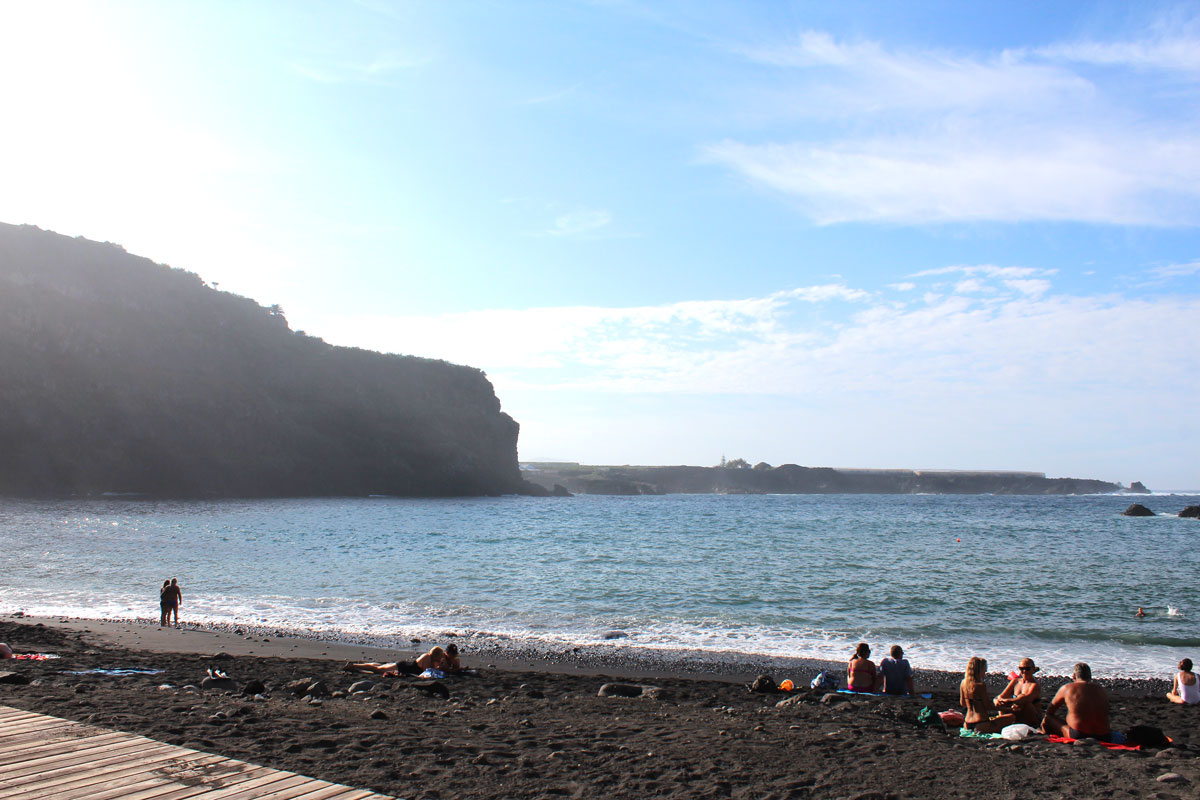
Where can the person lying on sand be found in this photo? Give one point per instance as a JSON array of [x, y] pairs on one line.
[[897, 673], [437, 658], [981, 715], [860, 673], [1023, 696], [1087, 709], [1185, 688]]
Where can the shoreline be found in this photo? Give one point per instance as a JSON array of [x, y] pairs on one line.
[[548, 730], [620, 661]]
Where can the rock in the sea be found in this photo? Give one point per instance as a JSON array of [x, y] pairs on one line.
[[615, 635], [1191, 512], [1139, 487], [14, 678], [1137, 510], [561, 491]]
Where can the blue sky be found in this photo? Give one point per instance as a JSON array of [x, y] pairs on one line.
[[881, 235]]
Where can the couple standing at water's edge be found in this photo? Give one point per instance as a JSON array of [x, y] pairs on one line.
[[169, 597]]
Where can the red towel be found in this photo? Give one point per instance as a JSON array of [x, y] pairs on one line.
[[1109, 745]]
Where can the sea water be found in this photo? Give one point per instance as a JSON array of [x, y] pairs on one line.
[[1055, 578]]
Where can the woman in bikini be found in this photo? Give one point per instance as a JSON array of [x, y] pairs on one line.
[[973, 695], [1185, 688], [860, 674], [437, 658]]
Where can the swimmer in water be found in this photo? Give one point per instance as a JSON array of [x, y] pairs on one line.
[[1140, 613]]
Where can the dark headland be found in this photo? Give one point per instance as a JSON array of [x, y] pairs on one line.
[[121, 375]]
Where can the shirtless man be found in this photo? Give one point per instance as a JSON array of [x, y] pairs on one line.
[[1023, 696], [437, 658], [1087, 709]]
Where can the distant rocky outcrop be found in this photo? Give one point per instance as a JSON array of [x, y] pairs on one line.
[[793, 479], [1191, 512], [1138, 510], [125, 376], [1137, 487]]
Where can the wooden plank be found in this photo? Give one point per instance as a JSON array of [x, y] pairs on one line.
[[81, 763], [74, 775], [47, 758], [49, 750], [112, 769]]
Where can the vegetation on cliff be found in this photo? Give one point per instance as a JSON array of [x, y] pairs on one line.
[[122, 375]]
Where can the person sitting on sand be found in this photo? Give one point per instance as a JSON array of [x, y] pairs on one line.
[[981, 715], [5, 651], [1185, 688], [860, 674], [1023, 696], [437, 658], [897, 673], [1087, 709]]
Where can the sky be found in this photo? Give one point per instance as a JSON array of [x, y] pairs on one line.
[[921, 235]]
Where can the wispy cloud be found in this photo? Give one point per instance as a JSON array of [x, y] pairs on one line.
[[919, 137], [378, 70], [579, 222], [1177, 270]]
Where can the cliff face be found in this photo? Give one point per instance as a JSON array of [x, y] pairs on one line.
[[121, 375], [793, 479]]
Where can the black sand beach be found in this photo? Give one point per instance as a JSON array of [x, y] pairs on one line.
[[519, 727]]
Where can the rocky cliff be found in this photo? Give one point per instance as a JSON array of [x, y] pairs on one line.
[[122, 375]]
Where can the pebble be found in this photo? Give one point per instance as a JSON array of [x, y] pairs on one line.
[[1170, 777], [379, 714]]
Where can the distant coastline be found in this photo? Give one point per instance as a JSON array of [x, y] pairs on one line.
[[565, 477]]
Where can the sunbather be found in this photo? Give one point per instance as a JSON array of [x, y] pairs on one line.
[[1023, 696], [1185, 688], [437, 658], [1087, 709], [860, 673], [973, 694], [897, 673]]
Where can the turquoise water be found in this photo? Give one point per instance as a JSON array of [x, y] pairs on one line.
[[1057, 578]]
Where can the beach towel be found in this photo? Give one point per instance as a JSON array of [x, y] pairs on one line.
[[436, 674], [34, 656], [1109, 745], [883, 694], [970, 734], [118, 672]]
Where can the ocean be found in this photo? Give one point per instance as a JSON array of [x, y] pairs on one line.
[[946, 577]]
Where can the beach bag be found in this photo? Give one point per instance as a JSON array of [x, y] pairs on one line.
[[926, 716], [1146, 736], [1017, 732], [824, 682]]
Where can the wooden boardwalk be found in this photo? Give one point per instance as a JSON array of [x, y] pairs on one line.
[[47, 758]]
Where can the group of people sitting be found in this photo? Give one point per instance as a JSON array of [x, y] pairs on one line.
[[894, 675], [1078, 710]]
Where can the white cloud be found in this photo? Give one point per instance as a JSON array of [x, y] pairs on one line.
[[906, 286], [1033, 288], [1177, 270], [374, 71], [931, 136], [581, 221]]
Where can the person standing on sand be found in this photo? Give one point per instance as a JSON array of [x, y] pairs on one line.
[[897, 673], [1023, 696], [1185, 688], [164, 604], [1087, 709], [172, 595]]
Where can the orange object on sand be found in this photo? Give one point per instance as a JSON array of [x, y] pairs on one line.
[[786, 685]]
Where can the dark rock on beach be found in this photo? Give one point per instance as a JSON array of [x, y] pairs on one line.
[[1137, 510]]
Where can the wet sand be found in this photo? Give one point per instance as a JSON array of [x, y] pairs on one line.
[[534, 725]]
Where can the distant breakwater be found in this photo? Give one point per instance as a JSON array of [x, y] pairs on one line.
[[793, 479]]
